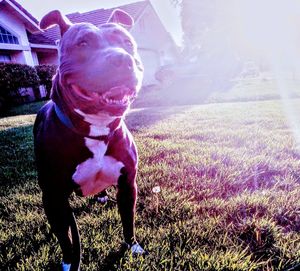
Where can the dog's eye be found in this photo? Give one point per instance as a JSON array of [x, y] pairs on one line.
[[82, 43]]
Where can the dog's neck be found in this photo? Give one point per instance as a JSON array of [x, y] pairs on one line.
[[93, 125]]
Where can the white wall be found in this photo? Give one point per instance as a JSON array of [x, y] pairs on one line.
[[154, 43], [35, 58], [151, 62], [15, 26]]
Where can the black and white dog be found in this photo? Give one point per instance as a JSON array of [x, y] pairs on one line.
[[81, 141]]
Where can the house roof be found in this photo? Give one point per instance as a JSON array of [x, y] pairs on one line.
[[101, 16], [29, 21], [95, 17]]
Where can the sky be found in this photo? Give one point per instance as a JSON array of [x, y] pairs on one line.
[[167, 13]]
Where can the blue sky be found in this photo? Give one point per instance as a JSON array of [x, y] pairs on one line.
[[168, 14]]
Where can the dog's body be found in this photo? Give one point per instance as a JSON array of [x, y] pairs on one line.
[[81, 141]]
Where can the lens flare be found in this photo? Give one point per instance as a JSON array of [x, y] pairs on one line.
[[270, 30]]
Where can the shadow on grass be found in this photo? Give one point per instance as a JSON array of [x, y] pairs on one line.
[[24, 109], [54, 267], [17, 168], [109, 263], [140, 118], [113, 258]]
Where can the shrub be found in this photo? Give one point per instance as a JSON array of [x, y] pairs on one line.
[[45, 73], [13, 77]]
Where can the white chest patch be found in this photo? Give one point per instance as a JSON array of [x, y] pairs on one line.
[[99, 172], [99, 122]]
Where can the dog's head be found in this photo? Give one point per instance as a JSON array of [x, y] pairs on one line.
[[99, 67]]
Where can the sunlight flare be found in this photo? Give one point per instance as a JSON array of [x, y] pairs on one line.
[[270, 32]]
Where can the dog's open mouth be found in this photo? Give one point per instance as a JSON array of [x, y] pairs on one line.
[[119, 96], [116, 96]]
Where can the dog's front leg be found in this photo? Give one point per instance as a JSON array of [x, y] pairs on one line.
[[126, 198], [122, 148]]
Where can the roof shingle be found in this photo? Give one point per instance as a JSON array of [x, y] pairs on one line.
[[95, 17]]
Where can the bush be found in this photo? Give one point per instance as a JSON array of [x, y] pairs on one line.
[[13, 77], [45, 73]]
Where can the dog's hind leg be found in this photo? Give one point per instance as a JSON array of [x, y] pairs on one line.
[[63, 224]]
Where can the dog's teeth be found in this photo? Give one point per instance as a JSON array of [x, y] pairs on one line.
[[125, 100]]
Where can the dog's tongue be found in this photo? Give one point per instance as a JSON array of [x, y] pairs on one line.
[[90, 96], [118, 92]]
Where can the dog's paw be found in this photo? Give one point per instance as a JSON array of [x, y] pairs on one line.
[[102, 200], [136, 249], [65, 266]]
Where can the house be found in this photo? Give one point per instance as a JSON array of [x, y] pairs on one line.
[[22, 41], [15, 24]]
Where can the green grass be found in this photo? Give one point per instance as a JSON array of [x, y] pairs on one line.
[[189, 91], [229, 200], [25, 109]]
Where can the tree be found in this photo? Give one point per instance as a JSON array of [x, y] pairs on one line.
[[207, 38], [198, 20]]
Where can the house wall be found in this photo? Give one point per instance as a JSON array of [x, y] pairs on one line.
[[154, 43], [151, 63], [20, 53], [35, 58], [46, 57]]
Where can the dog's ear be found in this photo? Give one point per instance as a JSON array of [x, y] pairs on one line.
[[54, 17], [121, 17]]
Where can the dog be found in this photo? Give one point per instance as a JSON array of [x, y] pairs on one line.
[[81, 141]]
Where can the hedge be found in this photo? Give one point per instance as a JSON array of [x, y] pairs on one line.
[[45, 73], [14, 76]]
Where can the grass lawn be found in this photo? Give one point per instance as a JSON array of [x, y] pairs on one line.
[[192, 91], [229, 200]]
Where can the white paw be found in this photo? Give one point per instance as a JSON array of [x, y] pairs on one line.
[[137, 249], [102, 200], [65, 266]]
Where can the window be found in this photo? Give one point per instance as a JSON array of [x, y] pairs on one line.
[[7, 37], [4, 57]]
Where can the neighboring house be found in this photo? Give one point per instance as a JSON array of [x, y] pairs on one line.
[[22, 41], [15, 24]]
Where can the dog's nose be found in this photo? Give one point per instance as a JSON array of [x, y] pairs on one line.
[[121, 60]]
